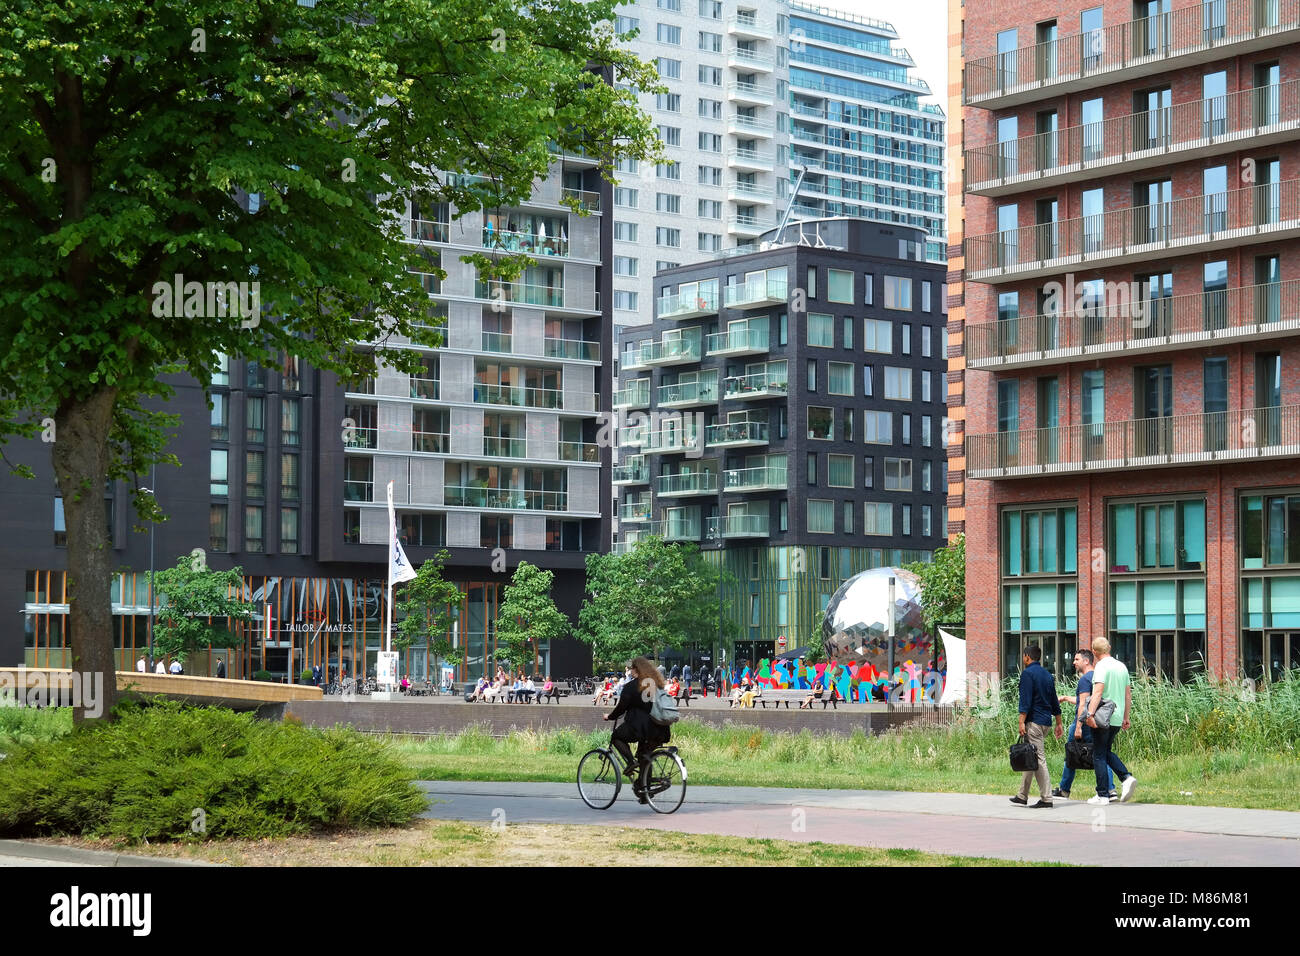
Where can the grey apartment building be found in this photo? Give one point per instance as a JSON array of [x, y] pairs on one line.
[[784, 411], [491, 450]]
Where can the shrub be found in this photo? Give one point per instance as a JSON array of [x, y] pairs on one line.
[[263, 675], [307, 676], [142, 777]]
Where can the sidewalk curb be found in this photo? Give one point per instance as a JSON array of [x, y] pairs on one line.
[[69, 854]]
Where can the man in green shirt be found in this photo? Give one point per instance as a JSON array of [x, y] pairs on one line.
[[1110, 682]]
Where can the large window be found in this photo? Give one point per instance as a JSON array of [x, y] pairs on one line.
[[898, 474], [821, 423], [839, 378], [254, 517], [839, 286], [290, 483], [288, 530], [878, 518], [877, 336], [1270, 584], [1039, 586], [218, 536], [255, 474], [821, 516], [256, 418], [898, 383], [218, 472], [821, 330], [878, 428], [839, 471], [1164, 535], [898, 293], [290, 421]]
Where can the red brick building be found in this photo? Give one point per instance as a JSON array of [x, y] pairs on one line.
[[1125, 367]]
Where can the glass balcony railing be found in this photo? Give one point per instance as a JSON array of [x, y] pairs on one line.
[[435, 442], [739, 526], [428, 230], [633, 395], [519, 396], [578, 350], [362, 438], [358, 491], [750, 157], [688, 305], [579, 451], [586, 200], [636, 510], [671, 440], [634, 472], [736, 341], [758, 292], [689, 393], [495, 446], [1237, 435], [519, 292], [739, 56], [737, 433], [673, 350], [695, 483], [762, 478], [755, 385], [518, 499], [498, 342], [677, 526], [537, 244], [424, 387]]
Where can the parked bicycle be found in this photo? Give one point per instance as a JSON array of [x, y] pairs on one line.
[[600, 778]]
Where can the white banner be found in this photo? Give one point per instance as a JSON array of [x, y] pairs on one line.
[[954, 649], [386, 669], [399, 568]]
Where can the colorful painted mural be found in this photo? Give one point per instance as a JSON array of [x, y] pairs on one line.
[[911, 682]]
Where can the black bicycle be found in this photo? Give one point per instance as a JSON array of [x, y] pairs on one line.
[[600, 778]]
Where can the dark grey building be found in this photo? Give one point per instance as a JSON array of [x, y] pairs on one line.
[[785, 410]]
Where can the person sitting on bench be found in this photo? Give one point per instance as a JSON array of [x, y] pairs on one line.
[[818, 688]]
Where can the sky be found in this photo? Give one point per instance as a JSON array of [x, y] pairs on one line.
[[922, 27]]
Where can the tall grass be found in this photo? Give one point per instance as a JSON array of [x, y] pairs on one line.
[[26, 725]]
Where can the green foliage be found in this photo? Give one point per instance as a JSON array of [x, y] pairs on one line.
[[943, 585], [141, 777], [306, 677], [132, 139], [263, 675], [658, 595], [190, 594], [817, 642], [528, 617], [423, 606], [26, 725]]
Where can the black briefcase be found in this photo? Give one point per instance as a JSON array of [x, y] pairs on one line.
[[1024, 758], [1078, 754]]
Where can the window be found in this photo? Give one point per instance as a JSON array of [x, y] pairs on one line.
[[253, 520], [663, 264], [709, 175], [708, 241], [624, 25], [811, 476], [254, 375], [925, 296], [925, 341], [907, 520], [288, 530], [839, 286], [496, 531], [821, 330], [839, 378], [898, 383], [625, 231], [625, 197], [625, 265], [669, 69], [290, 421], [839, 471], [846, 328], [221, 371], [848, 517], [255, 414], [1040, 541], [925, 431], [878, 336], [867, 288], [218, 534], [898, 474], [878, 428], [219, 418], [671, 136], [710, 109], [868, 381], [848, 425], [821, 516], [898, 293], [668, 202], [708, 209], [926, 469], [667, 33], [60, 524], [812, 282], [878, 518], [710, 75], [711, 9], [907, 340], [783, 515], [218, 472], [668, 237], [821, 423], [925, 386], [671, 171], [711, 42], [255, 474], [626, 301], [675, 5], [669, 102], [289, 479], [1167, 535], [710, 142]]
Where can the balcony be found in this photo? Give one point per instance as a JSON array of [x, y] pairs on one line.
[[750, 193], [737, 435], [755, 385], [633, 396], [498, 342], [358, 490], [574, 350], [749, 126], [754, 94], [735, 342], [750, 27], [1260, 213], [671, 351], [672, 441], [688, 305], [635, 471], [686, 394], [1123, 320], [762, 478], [739, 526], [746, 226], [536, 296], [1250, 118], [758, 292], [584, 200], [749, 61], [634, 510], [514, 499], [633, 360], [518, 396], [1123, 51], [428, 230], [580, 451], [429, 388], [686, 485], [437, 442], [494, 446], [750, 159], [681, 524], [361, 438], [1239, 435], [528, 243]]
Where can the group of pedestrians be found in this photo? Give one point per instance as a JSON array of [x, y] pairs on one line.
[[1103, 704], [162, 667]]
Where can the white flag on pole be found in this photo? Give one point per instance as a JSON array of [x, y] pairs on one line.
[[954, 649], [399, 568]]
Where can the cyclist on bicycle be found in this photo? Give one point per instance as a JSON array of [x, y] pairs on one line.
[[637, 727]]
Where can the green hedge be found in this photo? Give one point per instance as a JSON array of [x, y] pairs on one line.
[[143, 776]]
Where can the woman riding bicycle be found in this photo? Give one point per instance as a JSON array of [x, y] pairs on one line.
[[634, 706]]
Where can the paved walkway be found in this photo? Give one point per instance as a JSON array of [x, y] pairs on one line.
[[1128, 834], [20, 853]]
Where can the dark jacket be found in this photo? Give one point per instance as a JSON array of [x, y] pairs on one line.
[[635, 711], [1038, 701]]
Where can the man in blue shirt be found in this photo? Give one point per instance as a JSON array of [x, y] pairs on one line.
[[1038, 706], [1079, 731]]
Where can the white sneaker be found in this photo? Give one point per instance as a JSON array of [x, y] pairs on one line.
[[1099, 800], [1126, 789]]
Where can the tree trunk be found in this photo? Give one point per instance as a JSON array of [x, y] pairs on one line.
[[80, 455]]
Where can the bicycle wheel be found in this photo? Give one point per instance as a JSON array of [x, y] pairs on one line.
[[666, 781], [599, 779]]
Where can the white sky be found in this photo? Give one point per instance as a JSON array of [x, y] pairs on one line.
[[922, 27]]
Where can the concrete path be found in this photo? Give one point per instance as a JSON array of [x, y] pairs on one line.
[[1128, 834], [20, 853]]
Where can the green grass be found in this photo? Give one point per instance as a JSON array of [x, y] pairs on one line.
[[1201, 744], [26, 725]]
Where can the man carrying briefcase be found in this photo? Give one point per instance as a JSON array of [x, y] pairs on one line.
[[1038, 706]]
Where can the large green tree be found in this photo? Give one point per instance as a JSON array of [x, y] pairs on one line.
[[199, 607], [423, 607], [132, 135], [657, 595], [943, 585], [528, 617]]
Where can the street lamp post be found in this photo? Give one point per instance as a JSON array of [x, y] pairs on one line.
[[153, 480]]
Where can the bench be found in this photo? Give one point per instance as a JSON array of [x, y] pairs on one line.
[[779, 696]]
